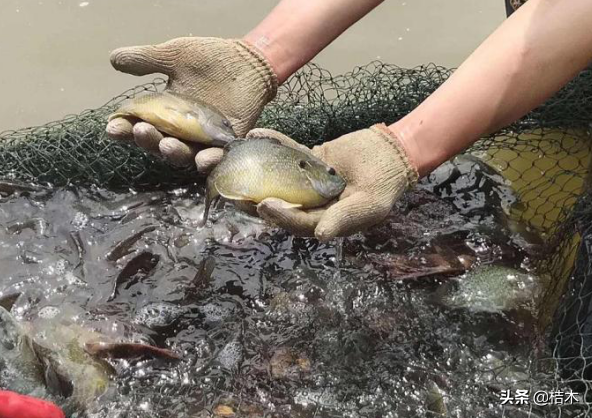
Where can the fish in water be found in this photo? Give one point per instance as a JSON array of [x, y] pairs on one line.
[[182, 117], [48, 356], [19, 368], [490, 288], [37, 358], [435, 401], [261, 168], [128, 350], [136, 270]]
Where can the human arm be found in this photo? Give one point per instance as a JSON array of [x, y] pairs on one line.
[[528, 58], [297, 30], [239, 77]]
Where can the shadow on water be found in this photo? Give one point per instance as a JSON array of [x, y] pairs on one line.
[[272, 325]]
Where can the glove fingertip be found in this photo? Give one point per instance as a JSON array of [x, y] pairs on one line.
[[346, 216], [144, 60], [113, 57], [147, 137], [269, 209], [326, 231], [262, 133], [176, 152], [120, 58], [120, 129], [206, 160], [288, 216]]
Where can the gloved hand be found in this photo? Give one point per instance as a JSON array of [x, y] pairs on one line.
[[377, 169], [231, 75]]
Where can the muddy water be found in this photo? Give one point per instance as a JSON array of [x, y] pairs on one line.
[[55, 52], [272, 325]]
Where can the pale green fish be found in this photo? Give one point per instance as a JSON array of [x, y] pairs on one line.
[[181, 117], [491, 288], [68, 370], [19, 368], [52, 360], [435, 402], [258, 169]]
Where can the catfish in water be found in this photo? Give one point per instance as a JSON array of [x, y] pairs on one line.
[[182, 117], [124, 247], [128, 351], [261, 168], [137, 269]]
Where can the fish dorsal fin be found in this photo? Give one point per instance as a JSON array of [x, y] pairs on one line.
[[231, 196], [288, 205], [268, 139], [240, 141]]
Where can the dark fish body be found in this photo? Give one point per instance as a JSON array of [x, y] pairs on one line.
[[124, 247], [128, 350], [262, 168], [202, 278], [9, 187], [136, 270], [7, 301], [182, 117]]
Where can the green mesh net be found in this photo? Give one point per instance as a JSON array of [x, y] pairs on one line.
[[545, 157], [313, 106]]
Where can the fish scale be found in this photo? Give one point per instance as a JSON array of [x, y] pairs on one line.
[[261, 168], [182, 117]]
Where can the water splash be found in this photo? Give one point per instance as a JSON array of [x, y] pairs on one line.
[[359, 342]]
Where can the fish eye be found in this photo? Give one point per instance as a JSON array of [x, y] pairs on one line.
[[302, 164], [331, 171]]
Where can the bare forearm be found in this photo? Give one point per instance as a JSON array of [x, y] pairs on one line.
[[297, 30], [535, 52]]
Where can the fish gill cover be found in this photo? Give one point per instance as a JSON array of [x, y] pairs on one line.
[[293, 334]]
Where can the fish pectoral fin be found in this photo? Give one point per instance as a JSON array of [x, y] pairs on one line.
[[288, 205], [268, 139], [56, 383], [118, 114], [229, 196], [282, 204]]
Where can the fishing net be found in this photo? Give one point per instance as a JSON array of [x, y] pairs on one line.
[[543, 158]]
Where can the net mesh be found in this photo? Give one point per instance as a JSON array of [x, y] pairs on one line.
[[544, 156]]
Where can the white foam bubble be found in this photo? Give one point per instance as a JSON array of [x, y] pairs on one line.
[[48, 312]]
